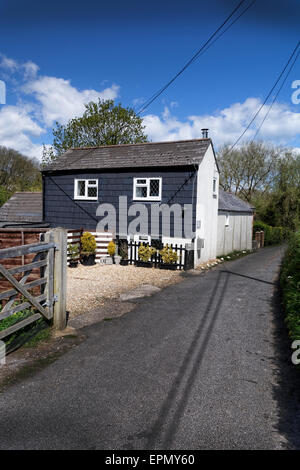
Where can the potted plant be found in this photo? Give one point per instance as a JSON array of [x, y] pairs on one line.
[[73, 253], [88, 251], [145, 252], [111, 249], [123, 252], [169, 258]]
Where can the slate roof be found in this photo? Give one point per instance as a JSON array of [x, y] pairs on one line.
[[230, 203], [151, 154], [23, 207]]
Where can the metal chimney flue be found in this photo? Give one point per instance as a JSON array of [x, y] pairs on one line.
[[204, 133]]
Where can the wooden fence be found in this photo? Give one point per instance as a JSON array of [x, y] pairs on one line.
[[156, 259], [74, 238], [50, 259], [102, 241], [11, 237]]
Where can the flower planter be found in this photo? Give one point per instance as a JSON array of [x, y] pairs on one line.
[[173, 267], [117, 259], [124, 262], [144, 264], [88, 260]]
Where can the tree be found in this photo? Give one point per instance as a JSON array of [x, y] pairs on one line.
[[248, 169], [102, 123], [285, 197], [17, 173]]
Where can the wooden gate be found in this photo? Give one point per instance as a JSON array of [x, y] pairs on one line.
[[39, 296]]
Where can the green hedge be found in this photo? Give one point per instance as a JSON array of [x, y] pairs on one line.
[[290, 285], [273, 235]]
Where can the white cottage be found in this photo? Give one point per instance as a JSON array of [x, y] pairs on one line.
[[181, 177]]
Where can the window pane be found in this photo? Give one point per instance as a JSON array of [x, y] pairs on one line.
[[81, 188], [141, 191], [92, 182], [92, 191], [154, 187], [141, 182]]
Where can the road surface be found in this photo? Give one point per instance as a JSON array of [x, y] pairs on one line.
[[203, 364]]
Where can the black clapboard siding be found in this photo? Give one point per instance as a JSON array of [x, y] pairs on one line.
[[62, 210]]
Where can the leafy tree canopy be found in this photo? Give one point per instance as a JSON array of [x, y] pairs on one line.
[[17, 173], [248, 169], [265, 176], [102, 123]]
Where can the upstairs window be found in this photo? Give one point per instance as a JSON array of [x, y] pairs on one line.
[[86, 190], [147, 189]]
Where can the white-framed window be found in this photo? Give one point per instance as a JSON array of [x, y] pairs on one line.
[[147, 189], [86, 189]]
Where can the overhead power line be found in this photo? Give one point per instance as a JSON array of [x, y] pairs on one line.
[[200, 51], [276, 96], [266, 98]]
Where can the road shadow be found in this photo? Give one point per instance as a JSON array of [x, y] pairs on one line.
[[249, 277], [162, 433], [286, 391]]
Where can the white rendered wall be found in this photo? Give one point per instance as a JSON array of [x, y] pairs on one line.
[[235, 237], [207, 208]]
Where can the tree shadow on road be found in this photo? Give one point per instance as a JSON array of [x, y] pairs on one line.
[[183, 383]]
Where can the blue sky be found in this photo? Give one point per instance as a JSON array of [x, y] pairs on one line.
[[59, 55]]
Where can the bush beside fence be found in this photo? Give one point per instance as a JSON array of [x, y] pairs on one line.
[[273, 235]]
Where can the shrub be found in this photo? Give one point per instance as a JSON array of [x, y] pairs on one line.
[[273, 235], [290, 285], [123, 249], [145, 252], [88, 243], [168, 255], [73, 251], [111, 249]]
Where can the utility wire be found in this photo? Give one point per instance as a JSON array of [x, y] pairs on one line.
[[275, 98], [71, 199], [265, 100], [195, 56]]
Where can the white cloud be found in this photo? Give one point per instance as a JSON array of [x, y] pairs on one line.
[[7, 63], [60, 101], [26, 70], [41, 101], [225, 126], [17, 129]]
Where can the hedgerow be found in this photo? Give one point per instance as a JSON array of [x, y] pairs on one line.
[[290, 285]]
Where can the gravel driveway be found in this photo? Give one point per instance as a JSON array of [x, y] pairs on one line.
[[89, 286]]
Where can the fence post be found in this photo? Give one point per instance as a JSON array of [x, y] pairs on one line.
[[60, 278]]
